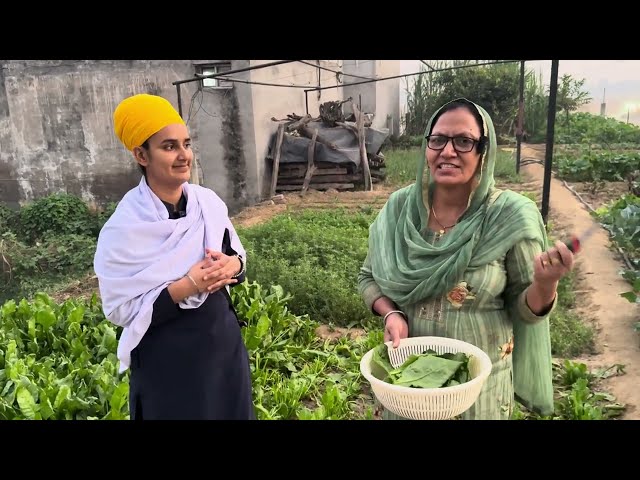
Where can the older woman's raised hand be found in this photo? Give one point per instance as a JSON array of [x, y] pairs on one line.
[[553, 264]]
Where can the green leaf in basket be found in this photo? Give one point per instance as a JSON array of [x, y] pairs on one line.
[[459, 357], [463, 375], [382, 362], [428, 371], [410, 359]]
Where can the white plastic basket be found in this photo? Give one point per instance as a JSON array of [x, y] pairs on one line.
[[429, 403]]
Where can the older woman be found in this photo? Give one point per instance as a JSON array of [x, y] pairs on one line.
[[453, 256], [164, 262]]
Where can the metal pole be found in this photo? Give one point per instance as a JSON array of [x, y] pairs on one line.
[[519, 128], [306, 100], [551, 121], [179, 100]]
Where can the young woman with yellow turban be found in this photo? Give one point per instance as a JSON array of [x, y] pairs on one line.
[[165, 261]]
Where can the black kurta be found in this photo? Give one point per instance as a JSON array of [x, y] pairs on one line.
[[192, 364]]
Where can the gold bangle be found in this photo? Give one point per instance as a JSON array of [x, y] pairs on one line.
[[193, 281]]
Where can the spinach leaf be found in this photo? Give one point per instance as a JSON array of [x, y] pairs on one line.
[[425, 370], [428, 371]]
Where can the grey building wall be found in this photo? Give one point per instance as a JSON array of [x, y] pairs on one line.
[[56, 129], [381, 98], [235, 126], [364, 94], [388, 96], [225, 145], [269, 102]]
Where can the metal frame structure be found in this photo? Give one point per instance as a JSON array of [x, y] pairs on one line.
[[551, 113]]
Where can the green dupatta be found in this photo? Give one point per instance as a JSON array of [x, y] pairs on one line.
[[408, 269]]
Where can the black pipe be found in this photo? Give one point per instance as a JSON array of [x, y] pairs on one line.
[[179, 101], [548, 157], [520, 127]]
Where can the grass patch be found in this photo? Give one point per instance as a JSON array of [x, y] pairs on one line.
[[401, 167], [505, 168], [315, 256], [570, 336]]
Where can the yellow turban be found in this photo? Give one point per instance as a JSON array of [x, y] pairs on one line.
[[138, 117]]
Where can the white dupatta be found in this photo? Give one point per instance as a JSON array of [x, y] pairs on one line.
[[140, 251]]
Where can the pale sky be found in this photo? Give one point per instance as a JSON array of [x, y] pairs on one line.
[[620, 79]]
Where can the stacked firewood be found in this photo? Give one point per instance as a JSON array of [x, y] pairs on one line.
[[309, 173]]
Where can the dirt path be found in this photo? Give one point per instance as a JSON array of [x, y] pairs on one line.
[[599, 286]]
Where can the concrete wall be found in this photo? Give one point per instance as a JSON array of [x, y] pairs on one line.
[[56, 129], [388, 96], [224, 141], [364, 94], [278, 102], [381, 98]]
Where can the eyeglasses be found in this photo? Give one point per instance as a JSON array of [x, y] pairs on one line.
[[460, 144]]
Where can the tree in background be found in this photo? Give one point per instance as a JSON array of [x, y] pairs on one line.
[[571, 95], [495, 88]]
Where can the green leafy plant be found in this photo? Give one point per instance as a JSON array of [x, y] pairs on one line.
[[59, 362]]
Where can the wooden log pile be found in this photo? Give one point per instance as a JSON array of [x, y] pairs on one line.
[[309, 172]]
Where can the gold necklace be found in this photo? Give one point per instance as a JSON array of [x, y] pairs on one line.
[[444, 228]]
